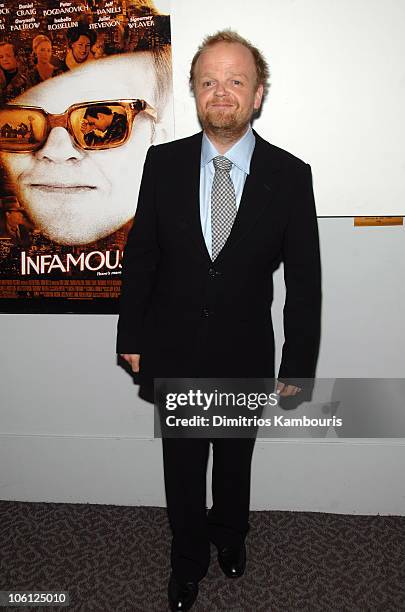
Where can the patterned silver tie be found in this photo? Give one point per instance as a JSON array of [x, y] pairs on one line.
[[223, 204]]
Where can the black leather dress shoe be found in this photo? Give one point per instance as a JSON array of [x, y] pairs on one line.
[[232, 560], [182, 595]]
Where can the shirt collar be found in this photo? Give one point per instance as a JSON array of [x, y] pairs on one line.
[[239, 154]]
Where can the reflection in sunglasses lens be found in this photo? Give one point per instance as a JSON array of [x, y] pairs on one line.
[[21, 129], [99, 126]]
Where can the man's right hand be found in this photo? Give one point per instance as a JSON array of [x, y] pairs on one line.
[[132, 359]]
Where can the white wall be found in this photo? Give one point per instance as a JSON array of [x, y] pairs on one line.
[[337, 89], [73, 429]]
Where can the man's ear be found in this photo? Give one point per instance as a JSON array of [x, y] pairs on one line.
[[258, 97]]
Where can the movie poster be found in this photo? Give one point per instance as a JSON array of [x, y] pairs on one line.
[[85, 89]]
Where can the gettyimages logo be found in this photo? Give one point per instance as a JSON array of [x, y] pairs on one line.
[[207, 400]]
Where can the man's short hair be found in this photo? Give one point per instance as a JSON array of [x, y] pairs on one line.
[[230, 36], [162, 63], [3, 43], [93, 111]]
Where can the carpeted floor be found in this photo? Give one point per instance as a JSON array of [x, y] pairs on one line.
[[116, 558]]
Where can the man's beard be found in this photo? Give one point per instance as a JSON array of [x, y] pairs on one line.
[[224, 122]]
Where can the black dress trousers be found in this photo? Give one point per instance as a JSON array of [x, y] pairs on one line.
[[227, 523]]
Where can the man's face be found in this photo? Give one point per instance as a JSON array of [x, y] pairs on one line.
[[97, 49], [7, 58], [14, 218], [101, 122], [81, 49], [76, 196], [44, 52], [225, 87]]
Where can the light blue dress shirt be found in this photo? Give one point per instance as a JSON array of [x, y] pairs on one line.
[[240, 154]]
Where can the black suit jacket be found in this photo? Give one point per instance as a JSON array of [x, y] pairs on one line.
[[189, 317]]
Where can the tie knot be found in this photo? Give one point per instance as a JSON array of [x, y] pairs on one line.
[[222, 163]]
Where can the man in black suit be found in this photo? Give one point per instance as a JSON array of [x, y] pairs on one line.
[[216, 214]]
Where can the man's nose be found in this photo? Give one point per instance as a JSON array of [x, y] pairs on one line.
[[59, 147], [220, 89]]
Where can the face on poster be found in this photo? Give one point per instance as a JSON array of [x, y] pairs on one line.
[[83, 96]]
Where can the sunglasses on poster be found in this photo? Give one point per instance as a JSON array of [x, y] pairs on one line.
[[95, 125]]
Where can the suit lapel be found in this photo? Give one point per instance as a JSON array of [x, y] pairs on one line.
[[191, 195]]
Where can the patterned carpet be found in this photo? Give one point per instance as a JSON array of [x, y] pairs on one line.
[[116, 558]]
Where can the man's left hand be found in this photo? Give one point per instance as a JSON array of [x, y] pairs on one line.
[[287, 390]]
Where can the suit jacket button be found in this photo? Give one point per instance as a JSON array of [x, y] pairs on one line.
[[213, 273]]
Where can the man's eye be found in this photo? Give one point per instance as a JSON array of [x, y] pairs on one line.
[[207, 83], [236, 82]]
